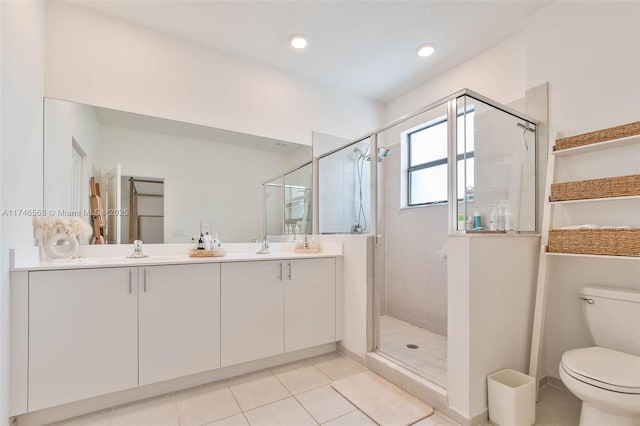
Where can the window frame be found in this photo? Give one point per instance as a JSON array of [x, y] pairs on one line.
[[432, 163]]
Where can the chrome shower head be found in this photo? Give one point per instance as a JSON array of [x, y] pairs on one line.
[[382, 153]]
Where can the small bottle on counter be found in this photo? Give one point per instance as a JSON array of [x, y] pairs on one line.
[[477, 220], [200, 242], [207, 241], [215, 242]]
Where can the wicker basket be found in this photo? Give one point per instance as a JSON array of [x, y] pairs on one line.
[[619, 186], [604, 135], [602, 241]]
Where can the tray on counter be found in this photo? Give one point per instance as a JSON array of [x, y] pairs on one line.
[[219, 252]]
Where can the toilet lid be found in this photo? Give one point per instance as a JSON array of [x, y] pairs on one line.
[[605, 368]]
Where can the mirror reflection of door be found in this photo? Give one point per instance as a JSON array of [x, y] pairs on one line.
[[114, 205], [143, 197], [77, 176]]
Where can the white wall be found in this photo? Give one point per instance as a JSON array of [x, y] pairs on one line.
[[498, 73], [594, 83], [67, 121], [490, 312], [202, 180], [594, 75], [21, 74], [101, 61], [356, 283]]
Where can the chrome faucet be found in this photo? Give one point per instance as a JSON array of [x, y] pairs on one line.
[[265, 249], [137, 250]]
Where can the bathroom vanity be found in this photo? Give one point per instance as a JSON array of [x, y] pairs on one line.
[[106, 325]]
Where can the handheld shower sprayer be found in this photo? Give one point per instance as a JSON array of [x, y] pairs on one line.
[[526, 127], [360, 224]]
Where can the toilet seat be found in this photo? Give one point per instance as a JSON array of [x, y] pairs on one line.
[[604, 368]]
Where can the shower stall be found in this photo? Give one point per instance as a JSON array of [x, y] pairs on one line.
[[462, 165], [288, 204]]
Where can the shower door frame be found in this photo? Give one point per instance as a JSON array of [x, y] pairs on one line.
[[373, 308]]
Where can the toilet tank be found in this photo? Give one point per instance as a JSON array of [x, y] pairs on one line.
[[613, 317]]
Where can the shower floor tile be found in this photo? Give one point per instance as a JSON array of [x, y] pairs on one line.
[[429, 360]]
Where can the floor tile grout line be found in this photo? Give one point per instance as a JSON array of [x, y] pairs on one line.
[[305, 409], [237, 403]]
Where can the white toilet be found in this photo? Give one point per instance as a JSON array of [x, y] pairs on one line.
[[606, 377]]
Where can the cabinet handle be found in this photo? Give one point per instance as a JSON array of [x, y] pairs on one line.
[[145, 280], [280, 271], [130, 279], [289, 271]]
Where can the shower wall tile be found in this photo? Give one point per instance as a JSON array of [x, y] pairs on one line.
[[329, 220], [415, 303], [415, 271], [416, 275], [437, 272], [437, 308], [394, 300], [349, 189]]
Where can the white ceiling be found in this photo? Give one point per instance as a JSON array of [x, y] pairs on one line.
[[365, 47]]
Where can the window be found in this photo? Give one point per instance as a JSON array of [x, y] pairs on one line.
[[427, 162]]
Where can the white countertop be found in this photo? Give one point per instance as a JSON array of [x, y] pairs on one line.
[[160, 254]]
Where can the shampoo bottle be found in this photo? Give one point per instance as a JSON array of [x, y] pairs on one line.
[[501, 218], [508, 220], [461, 222], [493, 224]]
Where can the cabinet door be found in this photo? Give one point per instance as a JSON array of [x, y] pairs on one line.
[[252, 311], [310, 303], [179, 318], [83, 337]]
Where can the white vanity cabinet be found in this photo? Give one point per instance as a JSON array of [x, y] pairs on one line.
[[310, 303], [179, 320], [252, 307], [86, 332], [83, 334], [271, 307]]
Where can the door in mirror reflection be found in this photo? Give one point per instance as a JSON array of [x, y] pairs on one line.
[[143, 198]]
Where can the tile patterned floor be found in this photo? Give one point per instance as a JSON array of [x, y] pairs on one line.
[[296, 394], [429, 360], [557, 407]]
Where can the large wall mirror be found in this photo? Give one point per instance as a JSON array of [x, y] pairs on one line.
[[159, 180]]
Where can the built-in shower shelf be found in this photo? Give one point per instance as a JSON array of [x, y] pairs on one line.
[[597, 146], [599, 256], [591, 200]]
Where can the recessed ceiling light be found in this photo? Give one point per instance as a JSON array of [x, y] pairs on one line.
[[298, 41], [425, 50]]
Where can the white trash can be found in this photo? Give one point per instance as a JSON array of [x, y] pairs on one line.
[[512, 398]]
